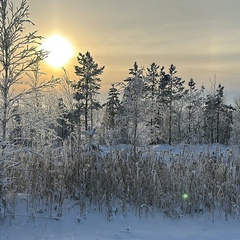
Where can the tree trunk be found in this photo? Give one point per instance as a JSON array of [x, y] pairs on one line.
[[135, 139], [170, 125], [218, 124], [86, 114]]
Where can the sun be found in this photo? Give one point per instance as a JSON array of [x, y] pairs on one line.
[[60, 50]]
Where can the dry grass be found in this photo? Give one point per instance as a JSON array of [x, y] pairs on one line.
[[117, 183]]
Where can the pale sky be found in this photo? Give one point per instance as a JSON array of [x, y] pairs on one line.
[[201, 38]]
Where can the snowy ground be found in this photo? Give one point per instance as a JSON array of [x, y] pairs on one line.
[[96, 227], [29, 225]]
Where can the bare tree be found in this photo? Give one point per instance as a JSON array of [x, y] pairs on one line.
[[18, 53]]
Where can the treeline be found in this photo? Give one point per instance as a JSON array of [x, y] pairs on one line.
[[151, 106], [158, 107]]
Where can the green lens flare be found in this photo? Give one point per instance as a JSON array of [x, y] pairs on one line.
[[185, 196]]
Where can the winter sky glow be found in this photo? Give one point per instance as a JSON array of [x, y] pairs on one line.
[[201, 38]]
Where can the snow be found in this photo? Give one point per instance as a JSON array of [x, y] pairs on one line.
[[168, 151], [97, 227]]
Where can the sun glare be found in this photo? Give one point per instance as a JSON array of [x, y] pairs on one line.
[[60, 50]]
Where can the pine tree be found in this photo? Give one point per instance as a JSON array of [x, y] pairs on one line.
[[151, 94], [88, 86], [172, 89], [226, 126], [217, 117], [193, 107], [219, 106], [236, 121]]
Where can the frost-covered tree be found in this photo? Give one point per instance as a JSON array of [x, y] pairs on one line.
[[132, 102], [63, 126], [38, 115], [151, 94], [18, 52], [72, 108], [87, 87], [213, 104], [226, 124], [194, 105], [112, 106], [16, 133], [236, 121], [111, 111], [172, 89], [217, 117]]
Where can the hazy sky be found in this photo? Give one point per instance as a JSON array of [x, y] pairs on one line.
[[201, 38]]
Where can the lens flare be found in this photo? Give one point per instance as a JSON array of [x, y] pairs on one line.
[[185, 196]]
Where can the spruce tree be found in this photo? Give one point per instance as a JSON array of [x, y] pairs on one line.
[[88, 86], [194, 103], [112, 106], [151, 94], [217, 117], [172, 89], [110, 123], [63, 127]]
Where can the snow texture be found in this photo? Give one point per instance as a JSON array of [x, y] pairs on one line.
[[96, 227]]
